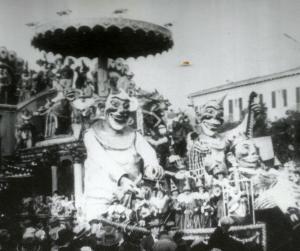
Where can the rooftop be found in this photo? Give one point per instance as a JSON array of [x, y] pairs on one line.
[[246, 82]]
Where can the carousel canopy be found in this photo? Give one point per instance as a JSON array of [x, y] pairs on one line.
[[106, 37]]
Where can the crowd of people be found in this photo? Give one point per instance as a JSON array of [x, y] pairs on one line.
[[56, 234], [60, 74]]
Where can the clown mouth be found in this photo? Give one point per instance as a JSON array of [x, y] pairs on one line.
[[120, 119], [251, 161], [212, 125]]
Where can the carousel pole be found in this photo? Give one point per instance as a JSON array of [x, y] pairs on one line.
[[54, 178], [78, 181], [78, 175], [102, 77]]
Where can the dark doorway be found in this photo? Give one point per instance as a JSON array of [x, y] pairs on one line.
[[65, 178]]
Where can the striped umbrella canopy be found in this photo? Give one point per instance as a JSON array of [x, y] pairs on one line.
[[102, 37]]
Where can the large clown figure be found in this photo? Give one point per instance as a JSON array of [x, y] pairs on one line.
[[117, 156], [209, 149], [208, 152]]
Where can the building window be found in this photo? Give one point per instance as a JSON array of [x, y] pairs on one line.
[[298, 95], [284, 97], [236, 102], [261, 98], [273, 99], [241, 106], [230, 109], [298, 98]]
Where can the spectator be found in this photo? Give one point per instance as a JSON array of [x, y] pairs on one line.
[[148, 242], [40, 79], [165, 243], [220, 237], [5, 240], [81, 75], [180, 242], [64, 240], [67, 74]]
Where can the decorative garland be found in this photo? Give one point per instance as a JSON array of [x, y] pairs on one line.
[[190, 233], [124, 226], [11, 171], [246, 240]]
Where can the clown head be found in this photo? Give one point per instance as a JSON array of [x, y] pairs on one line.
[[245, 153], [4, 76], [117, 110], [59, 61], [116, 70], [162, 130], [211, 116]]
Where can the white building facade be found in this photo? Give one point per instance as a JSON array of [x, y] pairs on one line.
[[279, 92]]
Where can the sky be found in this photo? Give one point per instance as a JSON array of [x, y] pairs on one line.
[[224, 40]]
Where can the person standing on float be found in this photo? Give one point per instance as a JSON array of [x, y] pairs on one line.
[[117, 156]]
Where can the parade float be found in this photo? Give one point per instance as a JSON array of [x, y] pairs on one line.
[[59, 125], [195, 193], [49, 123], [11, 70]]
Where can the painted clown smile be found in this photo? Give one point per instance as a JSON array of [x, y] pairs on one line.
[[119, 118], [212, 124], [252, 160]]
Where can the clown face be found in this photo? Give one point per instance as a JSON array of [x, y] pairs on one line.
[[162, 129], [4, 76], [246, 154], [113, 78], [211, 118], [117, 111]]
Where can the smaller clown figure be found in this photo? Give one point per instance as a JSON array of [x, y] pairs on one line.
[[25, 131], [238, 206], [244, 154], [161, 141], [159, 200], [188, 203], [174, 190], [216, 201]]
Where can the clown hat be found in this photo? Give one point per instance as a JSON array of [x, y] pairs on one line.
[[186, 186], [173, 186], [154, 223], [219, 169], [199, 182]]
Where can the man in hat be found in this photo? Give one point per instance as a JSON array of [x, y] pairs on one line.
[[67, 74], [164, 243], [220, 237], [29, 241], [64, 240], [147, 243]]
